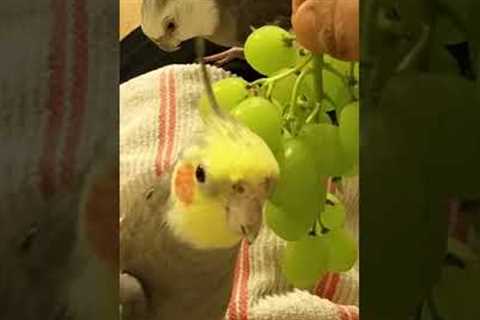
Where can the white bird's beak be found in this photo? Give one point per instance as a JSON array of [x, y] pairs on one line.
[[244, 213]]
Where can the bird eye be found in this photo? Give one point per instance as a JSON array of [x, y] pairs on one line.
[[171, 26], [200, 174]]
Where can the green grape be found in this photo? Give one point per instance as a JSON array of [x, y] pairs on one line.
[[287, 226], [341, 95], [331, 197], [282, 89], [305, 261], [279, 153], [343, 250], [277, 104], [262, 117], [333, 86], [456, 295], [286, 136], [269, 49], [344, 67], [352, 172], [299, 182], [333, 217], [408, 197], [356, 71], [341, 66], [323, 140], [336, 90], [324, 118], [349, 130], [228, 92]]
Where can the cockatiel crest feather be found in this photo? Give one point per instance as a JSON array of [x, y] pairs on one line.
[[221, 180], [226, 159]]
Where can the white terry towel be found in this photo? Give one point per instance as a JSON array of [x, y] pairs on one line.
[[157, 117]]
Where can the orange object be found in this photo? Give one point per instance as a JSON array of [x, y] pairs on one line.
[[328, 26], [184, 183]]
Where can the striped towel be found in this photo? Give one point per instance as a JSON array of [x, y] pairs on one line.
[[58, 85], [157, 117]]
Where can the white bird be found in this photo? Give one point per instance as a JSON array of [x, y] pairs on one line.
[[227, 23]]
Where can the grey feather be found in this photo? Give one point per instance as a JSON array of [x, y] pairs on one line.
[[177, 281]]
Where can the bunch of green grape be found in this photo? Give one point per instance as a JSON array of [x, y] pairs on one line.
[[306, 110]]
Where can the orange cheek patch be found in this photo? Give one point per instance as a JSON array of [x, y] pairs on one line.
[[184, 184]]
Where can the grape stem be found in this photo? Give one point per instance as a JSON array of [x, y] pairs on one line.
[[327, 66], [294, 96], [269, 90], [352, 70], [312, 115], [351, 81], [271, 80], [318, 65], [410, 58]]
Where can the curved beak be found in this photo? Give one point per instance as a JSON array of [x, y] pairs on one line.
[[245, 212]]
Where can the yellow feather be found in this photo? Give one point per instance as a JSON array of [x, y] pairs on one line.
[[230, 152], [202, 224], [234, 152]]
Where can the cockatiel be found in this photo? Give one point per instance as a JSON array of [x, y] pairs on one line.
[[179, 243], [224, 22]]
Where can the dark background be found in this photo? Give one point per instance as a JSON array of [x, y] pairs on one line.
[[139, 55]]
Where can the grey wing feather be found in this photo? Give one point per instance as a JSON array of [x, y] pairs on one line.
[[157, 195], [140, 224]]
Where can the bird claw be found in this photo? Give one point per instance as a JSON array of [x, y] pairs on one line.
[[222, 58]]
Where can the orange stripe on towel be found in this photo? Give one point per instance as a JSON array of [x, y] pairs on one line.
[[167, 121], [56, 95], [238, 306], [327, 286], [78, 90], [347, 312]]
